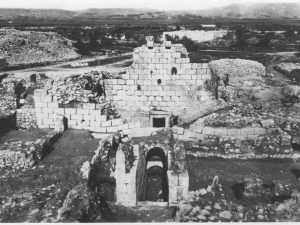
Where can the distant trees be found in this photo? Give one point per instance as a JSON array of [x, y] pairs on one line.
[[290, 35], [265, 40], [252, 42], [187, 42], [241, 37]]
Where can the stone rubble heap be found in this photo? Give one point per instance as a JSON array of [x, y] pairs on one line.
[[26, 118], [239, 70], [76, 89], [25, 47], [286, 67], [210, 205], [20, 155]]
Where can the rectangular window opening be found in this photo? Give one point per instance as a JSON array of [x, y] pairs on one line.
[[159, 122]]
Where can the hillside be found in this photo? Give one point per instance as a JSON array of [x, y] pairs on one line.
[[253, 11], [56, 14], [24, 47]]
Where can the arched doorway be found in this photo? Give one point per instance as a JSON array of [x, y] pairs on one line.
[[157, 183]]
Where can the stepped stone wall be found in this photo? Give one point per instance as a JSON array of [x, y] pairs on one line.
[[88, 117], [159, 79]]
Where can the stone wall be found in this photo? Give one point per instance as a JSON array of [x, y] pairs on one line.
[[30, 156], [88, 116], [126, 183], [160, 78], [141, 178], [26, 118]]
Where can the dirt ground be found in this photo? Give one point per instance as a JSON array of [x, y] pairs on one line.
[[23, 135], [34, 195]]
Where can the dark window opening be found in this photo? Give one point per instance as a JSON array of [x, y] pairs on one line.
[[159, 81], [33, 78], [151, 72], [174, 71], [159, 122], [139, 87], [174, 120]]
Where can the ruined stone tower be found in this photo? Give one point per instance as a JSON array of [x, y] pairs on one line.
[[161, 82]]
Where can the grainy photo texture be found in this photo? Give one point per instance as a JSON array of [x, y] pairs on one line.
[[149, 111]]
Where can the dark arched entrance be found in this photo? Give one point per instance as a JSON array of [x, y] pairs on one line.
[[157, 183]]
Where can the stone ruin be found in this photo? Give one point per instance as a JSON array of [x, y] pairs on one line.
[[131, 185], [160, 83]]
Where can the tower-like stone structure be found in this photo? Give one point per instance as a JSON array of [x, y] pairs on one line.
[[161, 79]]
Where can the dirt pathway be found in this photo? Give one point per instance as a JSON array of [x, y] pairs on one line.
[[43, 190]]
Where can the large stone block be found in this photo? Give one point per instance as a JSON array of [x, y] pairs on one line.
[[247, 131], [221, 131], [106, 123], [208, 130]]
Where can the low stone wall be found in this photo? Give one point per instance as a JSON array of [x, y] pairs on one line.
[[239, 133], [88, 117], [26, 118], [196, 133], [27, 158], [126, 183]]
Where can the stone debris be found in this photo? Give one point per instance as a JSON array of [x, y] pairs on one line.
[[21, 155], [215, 207], [239, 70], [24, 47]]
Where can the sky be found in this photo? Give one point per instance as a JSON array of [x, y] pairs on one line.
[[151, 4]]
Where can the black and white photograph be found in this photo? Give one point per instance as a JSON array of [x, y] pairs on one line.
[[139, 111]]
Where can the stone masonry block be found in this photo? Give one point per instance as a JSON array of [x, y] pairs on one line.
[[247, 131], [59, 110], [101, 129], [260, 131], [221, 131], [106, 123], [47, 98], [112, 129], [47, 110], [208, 130], [196, 129], [52, 105], [234, 132], [117, 122], [76, 117], [94, 112], [41, 105], [101, 118]]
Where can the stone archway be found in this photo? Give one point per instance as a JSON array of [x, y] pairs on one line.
[[156, 178]]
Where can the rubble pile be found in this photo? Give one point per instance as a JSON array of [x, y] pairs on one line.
[[287, 67], [275, 144], [77, 89], [239, 71], [26, 118], [25, 47], [19, 155], [211, 205], [7, 103], [236, 117]]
